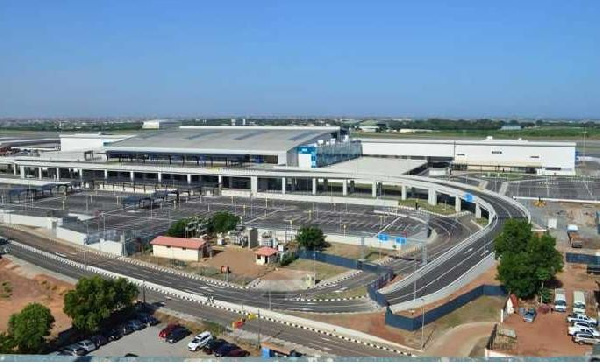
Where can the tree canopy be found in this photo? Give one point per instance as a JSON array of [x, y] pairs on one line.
[[222, 222], [311, 237], [177, 229], [526, 260], [27, 329], [95, 299]]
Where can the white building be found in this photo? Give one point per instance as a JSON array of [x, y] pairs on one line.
[[160, 124], [91, 141], [541, 157]]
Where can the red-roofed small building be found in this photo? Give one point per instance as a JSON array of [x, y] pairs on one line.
[[180, 248], [266, 255]]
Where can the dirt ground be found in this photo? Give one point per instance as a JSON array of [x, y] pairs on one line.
[[27, 287], [545, 337]]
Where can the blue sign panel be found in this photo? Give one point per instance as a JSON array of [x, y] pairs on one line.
[[383, 237], [469, 197], [400, 240]]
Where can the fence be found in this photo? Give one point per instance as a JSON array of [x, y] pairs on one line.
[[384, 274], [579, 258], [415, 323]]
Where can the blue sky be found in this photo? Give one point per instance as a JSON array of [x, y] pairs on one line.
[[215, 58]]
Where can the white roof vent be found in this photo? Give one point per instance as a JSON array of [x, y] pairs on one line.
[[489, 137]]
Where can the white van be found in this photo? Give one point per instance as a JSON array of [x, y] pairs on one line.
[[560, 300], [579, 302]]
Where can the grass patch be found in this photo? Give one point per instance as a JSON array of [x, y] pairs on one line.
[[482, 221], [323, 270], [440, 208], [6, 291], [483, 309], [543, 132], [355, 251]]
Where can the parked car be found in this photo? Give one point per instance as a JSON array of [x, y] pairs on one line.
[[167, 330], [126, 329], [148, 320], [529, 315], [177, 335], [225, 349], [585, 338], [4, 241], [136, 325], [130, 355], [579, 327], [75, 350], [99, 340], [87, 345], [113, 334], [238, 353], [200, 340], [581, 318], [213, 345]]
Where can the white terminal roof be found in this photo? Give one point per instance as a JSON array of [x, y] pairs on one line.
[[223, 140]]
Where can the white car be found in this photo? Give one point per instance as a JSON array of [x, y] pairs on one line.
[[580, 327], [200, 340], [577, 317], [87, 345]]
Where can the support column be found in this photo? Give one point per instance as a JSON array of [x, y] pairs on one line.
[[374, 189], [432, 197], [57, 174], [40, 172], [81, 174], [15, 169], [105, 174], [457, 204], [477, 211], [22, 171], [131, 176], [159, 176], [189, 179], [254, 184], [344, 188], [404, 192], [283, 185], [314, 186]]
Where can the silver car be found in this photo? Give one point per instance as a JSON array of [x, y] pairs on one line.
[[585, 338]]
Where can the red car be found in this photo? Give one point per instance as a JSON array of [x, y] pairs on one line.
[[167, 330]]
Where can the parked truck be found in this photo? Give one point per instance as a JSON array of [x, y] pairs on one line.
[[579, 302], [560, 300], [574, 238]]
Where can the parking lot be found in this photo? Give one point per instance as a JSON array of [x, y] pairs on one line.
[[146, 343], [576, 188], [107, 214]]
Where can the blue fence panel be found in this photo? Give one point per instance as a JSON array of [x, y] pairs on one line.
[[414, 323], [582, 258]]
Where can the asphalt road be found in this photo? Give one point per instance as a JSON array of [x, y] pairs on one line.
[[329, 344]]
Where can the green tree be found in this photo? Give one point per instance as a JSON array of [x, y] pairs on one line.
[[526, 260], [222, 222], [28, 328], [7, 343], [95, 299], [311, 238], [177, 229]]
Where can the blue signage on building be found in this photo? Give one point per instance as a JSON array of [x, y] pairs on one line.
[[400, 240], [383, 237], [469, 197]]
